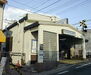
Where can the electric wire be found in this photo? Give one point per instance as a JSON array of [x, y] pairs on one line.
[[32, 7], [61, 6], [73, 6], [88, 20], [43, 3], [19, 8], [48, 5], [23, 4]]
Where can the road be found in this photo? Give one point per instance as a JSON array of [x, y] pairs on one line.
[[79, 70]]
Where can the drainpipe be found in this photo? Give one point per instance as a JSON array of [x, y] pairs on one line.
[[22, 57]]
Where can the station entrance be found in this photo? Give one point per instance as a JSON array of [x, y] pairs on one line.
[[67, 44]]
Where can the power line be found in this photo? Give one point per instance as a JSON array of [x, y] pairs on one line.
[[42, 4], [49, 5], [88, 20], [19, 8], [75, 5], [22, 4], [27, 2], [79, 22], [31, 7], [61, 6]]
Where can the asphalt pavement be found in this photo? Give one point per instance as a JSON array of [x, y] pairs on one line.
[[84, 69], [61, 69]]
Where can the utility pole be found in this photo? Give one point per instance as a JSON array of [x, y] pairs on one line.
[[3, 59], [84, 30], [2, 5]]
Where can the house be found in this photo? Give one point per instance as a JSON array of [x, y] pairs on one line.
[[40, 38]]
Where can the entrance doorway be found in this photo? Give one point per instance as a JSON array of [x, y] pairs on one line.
[[34, 47], [66, 42], [64, 47]]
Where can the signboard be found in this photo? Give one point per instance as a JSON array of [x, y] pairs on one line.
[[63, 21], [17, 54], [68, 32], [40, 57]]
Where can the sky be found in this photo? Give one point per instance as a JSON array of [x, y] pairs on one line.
[[74, 10]]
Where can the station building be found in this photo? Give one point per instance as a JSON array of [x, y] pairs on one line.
[[40, 38]]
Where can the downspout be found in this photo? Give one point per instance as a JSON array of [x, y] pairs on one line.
[[22, 57]]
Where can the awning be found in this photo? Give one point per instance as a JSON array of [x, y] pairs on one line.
[[2, 37], [71, 39]]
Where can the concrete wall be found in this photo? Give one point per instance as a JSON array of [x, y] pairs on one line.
[[18, 40], [22, 42], [40, 17], [58, 29], [15, 44], [27, 46]]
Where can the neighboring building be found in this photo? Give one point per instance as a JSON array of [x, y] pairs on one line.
[[40, 38], [88, 41]]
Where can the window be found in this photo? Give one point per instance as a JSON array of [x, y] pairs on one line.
[[34, 46]]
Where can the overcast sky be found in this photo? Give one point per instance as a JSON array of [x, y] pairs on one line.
[[74, 10]]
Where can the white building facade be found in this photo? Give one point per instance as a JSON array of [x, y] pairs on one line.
[[40, 38]]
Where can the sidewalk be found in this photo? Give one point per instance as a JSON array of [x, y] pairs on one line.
[[31, 71], [60, 67], [72, 61]]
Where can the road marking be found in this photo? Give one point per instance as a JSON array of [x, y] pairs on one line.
[[63, 72], [83, 65]]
